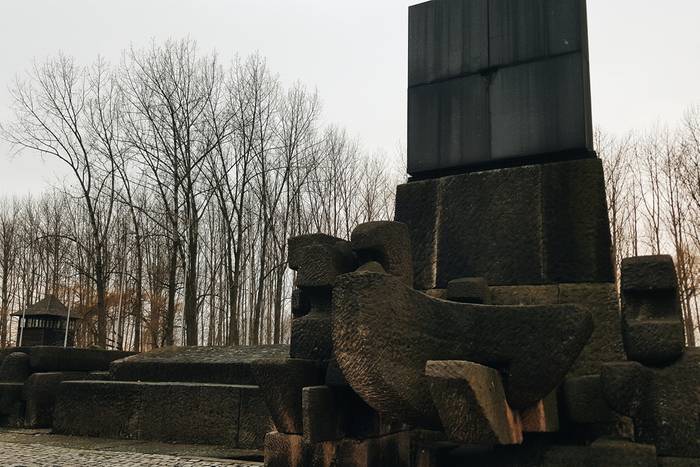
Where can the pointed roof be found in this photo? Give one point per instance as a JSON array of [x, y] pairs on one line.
[[49, 306]]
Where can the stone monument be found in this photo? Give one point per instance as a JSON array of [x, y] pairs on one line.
[[483, 326]]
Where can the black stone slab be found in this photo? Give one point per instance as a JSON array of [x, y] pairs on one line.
[[446, 39], [540, 107]]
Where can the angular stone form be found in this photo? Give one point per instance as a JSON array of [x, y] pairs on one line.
[[179, 412], [417, 206], [300, 303], [543, 417], [663, 402], [320, 416], [584, 401], [216, 365], [653, 331], [385, 364], [472, 405], [469, 290], [497, 79], [608, 453], [318, 261], [311, 337], [40, 395], [387, 243], [281, 382], [15, 368], [541, 224], [52, 359]]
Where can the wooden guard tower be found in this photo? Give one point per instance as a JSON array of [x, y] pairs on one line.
[[44, 323]]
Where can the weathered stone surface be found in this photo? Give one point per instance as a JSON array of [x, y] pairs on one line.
[[469, 290], [300, 303], [599, 299], [541, 107], [678, 462], [387, 243], [532, 225], [15, 368], [653, 331], [584, 400], [52, 359], [605, 344], [40, 395], [216, 365], [417, 205], [524, 295], [448, 124], [648, 273], [180, 412], [373, 266], [543, 417], [281, 382], [11, 404], [472, 405], [447, 39], [607, 453], [296, 246], [320, 415], [385, 364], [496, 79], [664, 402], [319, 262], [406, 449], [311, 337]]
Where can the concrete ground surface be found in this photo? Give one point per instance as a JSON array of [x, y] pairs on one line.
[[40, 448]]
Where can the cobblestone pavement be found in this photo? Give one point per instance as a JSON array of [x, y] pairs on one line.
[[39, 455]]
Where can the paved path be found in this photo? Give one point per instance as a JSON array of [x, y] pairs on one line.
[[41, 455]]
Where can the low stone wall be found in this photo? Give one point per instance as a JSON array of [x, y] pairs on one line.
[[230, 415]]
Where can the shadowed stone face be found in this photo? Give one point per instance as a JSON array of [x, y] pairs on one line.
[[384, 333]]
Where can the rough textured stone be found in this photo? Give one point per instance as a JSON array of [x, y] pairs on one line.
[[216, 365], [607, 453], [532, 225], [472, 405], [318, 264], [320, 415], [387, 243], [52, 359], [653, 331], [648, 273], [281, 382], [296, 246], [663, 402], [385, 364], [417, 206], [180, 412], [11, 404], [311, 337], [40, 395], [15, 368], [543, 417], [300, 303], [605, 344], [469, 290], [599, 299], [584, 400]]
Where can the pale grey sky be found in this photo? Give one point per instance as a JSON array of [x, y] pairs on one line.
[[645, 56]]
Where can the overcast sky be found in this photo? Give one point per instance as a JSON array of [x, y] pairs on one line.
[[645, 56]]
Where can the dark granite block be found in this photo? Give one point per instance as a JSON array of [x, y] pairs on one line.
[[448, 124], [540, 107], [524, 30], [447, 39]]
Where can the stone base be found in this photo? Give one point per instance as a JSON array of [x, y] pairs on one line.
[[228, 415]]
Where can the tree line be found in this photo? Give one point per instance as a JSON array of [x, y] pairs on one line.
[[653, 194], [187, 176]]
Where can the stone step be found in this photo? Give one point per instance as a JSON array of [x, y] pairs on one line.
[[214, 365], [218, 414]]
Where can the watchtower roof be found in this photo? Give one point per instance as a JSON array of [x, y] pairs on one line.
[[49, 306]]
